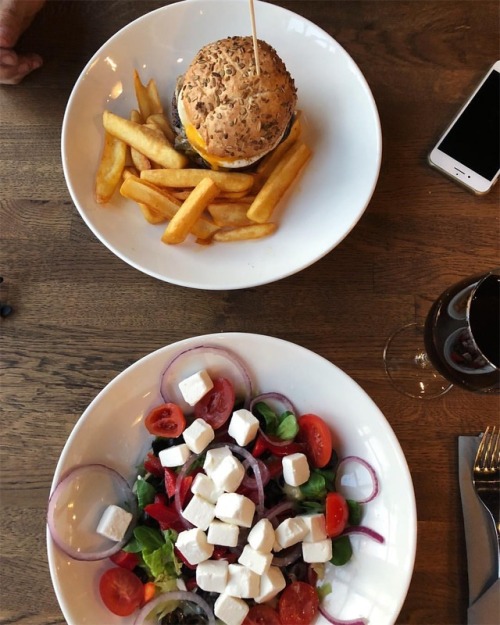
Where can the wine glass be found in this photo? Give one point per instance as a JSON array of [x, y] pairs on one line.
[[459, 344]]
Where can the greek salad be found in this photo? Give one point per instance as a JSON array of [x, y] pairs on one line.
[[236, 510]]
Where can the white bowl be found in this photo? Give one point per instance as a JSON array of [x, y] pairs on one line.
[[341, 126], [111, 431]]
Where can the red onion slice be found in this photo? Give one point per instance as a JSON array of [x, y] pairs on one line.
[[289, 556], [338, 621], [354, 484], [366, 531], [177, 493], [273, 398], [176, 595], [273, 513], [251, 482], [215, 360], [255, 466], [77, 504]]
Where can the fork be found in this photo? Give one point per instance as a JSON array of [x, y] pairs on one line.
[[486, 475]]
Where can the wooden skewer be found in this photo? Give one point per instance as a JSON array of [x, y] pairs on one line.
[[254, 36]]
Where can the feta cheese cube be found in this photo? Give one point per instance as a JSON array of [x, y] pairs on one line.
[[214, 457], [320, 551], [195, 387], [204, 487], [256, 561], [243, 427], [271, 583], [198, 435], [296, 469], [242, 582], [236, 509], [290, 531], [261, 536], [114, 523], [199, 512], [230, 610], [194, 546], [174, 456], [225, 534], [316, 528], [211, 575], [228, 474]]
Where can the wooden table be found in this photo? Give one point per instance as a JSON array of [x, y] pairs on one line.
[[80, 315]]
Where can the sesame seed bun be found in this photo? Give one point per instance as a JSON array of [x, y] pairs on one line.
[[231, 115]]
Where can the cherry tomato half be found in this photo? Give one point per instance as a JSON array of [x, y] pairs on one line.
[[262, 615], [316, 436], [217, 405], [125, 559], [298, 604], [336, 514], [166, 420], [121, 591]]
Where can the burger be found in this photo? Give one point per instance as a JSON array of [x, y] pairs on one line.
[[227, 114]]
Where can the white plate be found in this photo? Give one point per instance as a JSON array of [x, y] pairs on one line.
[[341, 125], [111, 431]]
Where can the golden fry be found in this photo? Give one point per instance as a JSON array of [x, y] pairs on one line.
[[255, 231], [278, 182], [110, 168], [150, 214], [185, 218], [136, 117], [229, 214], [128, 171], [227, 196], [161, 122], [155, 105], [269, 162], [143, 192], [182, 178], [142, 96], [140, 161], [147, 141]]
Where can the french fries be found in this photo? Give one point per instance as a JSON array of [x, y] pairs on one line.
[[145, 140], [278, 182], [188, 214], [160, 121], [143, 97], [110, 168], [229, 214], [244, 233], [150, 214], [142, 192], [155, 105], [182, 178], [271, 160], [220, 206], [140, 161]]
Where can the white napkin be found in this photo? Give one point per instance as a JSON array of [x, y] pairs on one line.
[[481, 543]]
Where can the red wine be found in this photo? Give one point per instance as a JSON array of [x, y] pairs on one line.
[[462, 333]]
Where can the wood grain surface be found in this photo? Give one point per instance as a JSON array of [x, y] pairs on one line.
[[81, 315]]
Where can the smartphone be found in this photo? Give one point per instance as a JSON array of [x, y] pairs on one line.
[[469, 149]]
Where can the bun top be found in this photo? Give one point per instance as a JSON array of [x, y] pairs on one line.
[[237, 114]]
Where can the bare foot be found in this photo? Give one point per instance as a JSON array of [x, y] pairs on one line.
[[15, 17]]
